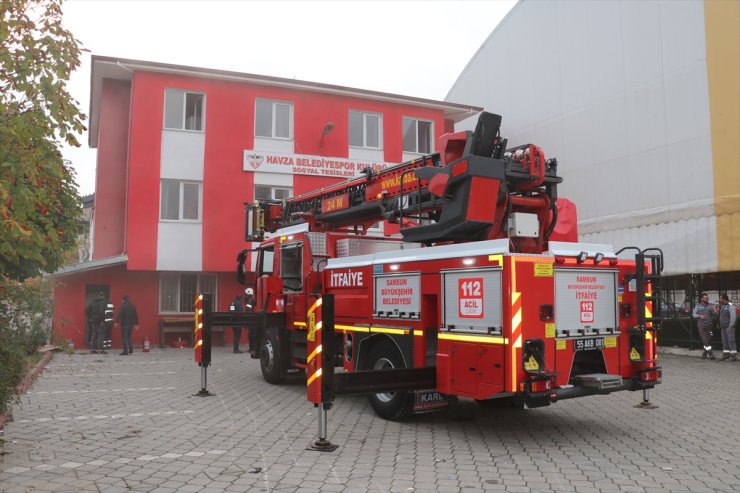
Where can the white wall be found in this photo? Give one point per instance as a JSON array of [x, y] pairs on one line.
[[617, 91], [180, 244]]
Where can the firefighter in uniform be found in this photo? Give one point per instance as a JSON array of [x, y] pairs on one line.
[[249, 302], [237, 306], [108, 324]]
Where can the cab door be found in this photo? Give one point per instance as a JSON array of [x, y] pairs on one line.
[[292, 276]]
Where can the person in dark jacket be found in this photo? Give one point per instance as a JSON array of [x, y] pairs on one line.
[[97, 319], [237, 306], [128, 318], [89, 328]]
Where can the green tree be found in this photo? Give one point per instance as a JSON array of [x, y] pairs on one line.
[[40, 206]]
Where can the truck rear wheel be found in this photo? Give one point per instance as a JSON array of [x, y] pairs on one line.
[[389, 405], [271, 361]]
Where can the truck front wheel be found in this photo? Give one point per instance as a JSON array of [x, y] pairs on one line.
[[271, 361], [389, 405]]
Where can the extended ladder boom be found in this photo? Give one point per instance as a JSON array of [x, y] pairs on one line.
[[470, 191]]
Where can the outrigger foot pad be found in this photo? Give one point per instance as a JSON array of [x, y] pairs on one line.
[[322, 445], [646, 405], [203, 393]]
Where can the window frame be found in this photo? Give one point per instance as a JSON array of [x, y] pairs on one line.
[[273, 124], [273, 189], [202, 280], [181, 200], [291, 262], [365, 114], [184, 117], [416, 121]]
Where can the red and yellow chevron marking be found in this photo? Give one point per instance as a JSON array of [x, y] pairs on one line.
[[198, 329], [649, 308], [516, 324], [314, 346], [516, 334]]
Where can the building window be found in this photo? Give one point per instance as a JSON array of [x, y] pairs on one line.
[[180, 201], [183, 110], [266, 192], [273, 119], [417, 136], [177, 291], [365, 129]]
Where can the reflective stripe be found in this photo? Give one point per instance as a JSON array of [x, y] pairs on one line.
[[352, 328], [470, 338], [377, 330], [314, 353], [313, 377], [315, 306], [388, 330]]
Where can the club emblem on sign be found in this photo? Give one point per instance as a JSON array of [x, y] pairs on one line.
[[255, 160]]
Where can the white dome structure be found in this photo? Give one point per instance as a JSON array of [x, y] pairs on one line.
[[640, 103]]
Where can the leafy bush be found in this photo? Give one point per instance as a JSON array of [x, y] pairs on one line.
[[25, 325]]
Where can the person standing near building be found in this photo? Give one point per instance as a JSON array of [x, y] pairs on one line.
[[108, 324], [237, 306], [249, 303], [97, 320], [727, 319], [89, 328], [128, 318], [704, 315]]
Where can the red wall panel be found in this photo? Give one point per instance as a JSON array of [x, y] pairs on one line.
[[69, 303], [110, 179], [229, 128], [144, 162]]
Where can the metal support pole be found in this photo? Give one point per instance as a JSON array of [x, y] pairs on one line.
[[646, 404], [203, 392], [322, 444], [322, 423]]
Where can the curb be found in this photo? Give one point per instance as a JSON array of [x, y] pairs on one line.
[[26, 382]]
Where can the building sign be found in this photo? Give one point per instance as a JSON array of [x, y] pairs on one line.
[[302, 164]]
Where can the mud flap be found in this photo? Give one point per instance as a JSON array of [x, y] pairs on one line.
[[429, 401]]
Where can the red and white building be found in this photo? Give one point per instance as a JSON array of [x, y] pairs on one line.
[[181, 149]]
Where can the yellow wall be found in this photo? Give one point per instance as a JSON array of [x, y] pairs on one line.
[[722, 23]]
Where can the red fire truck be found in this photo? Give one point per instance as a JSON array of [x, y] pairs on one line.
[[476, 293]]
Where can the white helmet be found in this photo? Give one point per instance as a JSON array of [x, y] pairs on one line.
[[249, 292]]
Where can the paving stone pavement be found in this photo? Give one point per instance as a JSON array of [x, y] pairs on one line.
[[119, 424]]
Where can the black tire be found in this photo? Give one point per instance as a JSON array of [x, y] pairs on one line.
[[392, 406], [271, 360]]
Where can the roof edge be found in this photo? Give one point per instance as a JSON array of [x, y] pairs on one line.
[[91, 265]]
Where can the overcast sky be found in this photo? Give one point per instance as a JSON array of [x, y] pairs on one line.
[[415, 48]]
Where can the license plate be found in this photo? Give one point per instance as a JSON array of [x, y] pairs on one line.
[[588, 344]]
